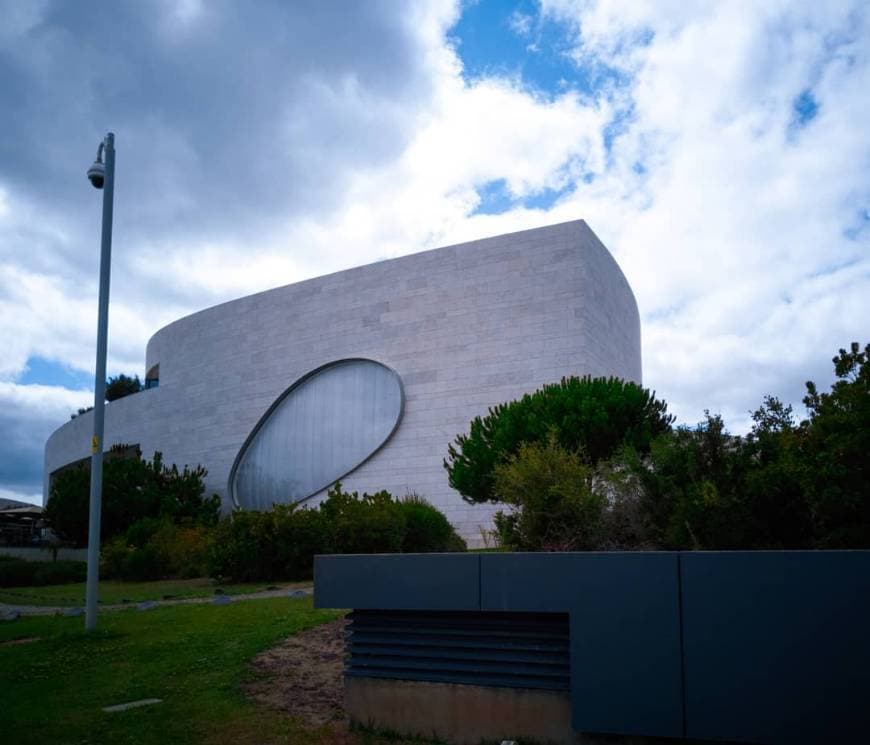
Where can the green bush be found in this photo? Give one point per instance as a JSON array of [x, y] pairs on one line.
[[782, 486], [281, 544], [113, 558], [183, 549], [593, 416], [835, 449], [554, 507], [142, 531], [155, 548], [143, 565], [426, 528], [300, 533], [133, 489], [367, 524], [244, 547], [16, 572]]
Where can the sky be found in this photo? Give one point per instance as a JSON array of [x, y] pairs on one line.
[[720, 150]]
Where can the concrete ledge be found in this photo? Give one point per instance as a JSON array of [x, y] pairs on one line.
[[44, 554], [464, 714]]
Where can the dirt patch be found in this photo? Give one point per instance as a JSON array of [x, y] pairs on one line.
[[25, 640], [302, 676]]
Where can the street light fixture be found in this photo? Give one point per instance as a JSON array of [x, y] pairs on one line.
[[102, 176]]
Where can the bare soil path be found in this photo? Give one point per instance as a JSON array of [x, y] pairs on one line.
[[302, 676]]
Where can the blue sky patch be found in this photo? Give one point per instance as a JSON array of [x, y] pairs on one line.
[[546, 198], [496, 198], [859, 226], [512, 39], [41, 371], [805, 107]]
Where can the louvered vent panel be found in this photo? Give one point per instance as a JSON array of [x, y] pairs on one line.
[[516, 650]]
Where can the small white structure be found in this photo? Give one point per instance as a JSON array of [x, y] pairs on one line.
[[367, 374]]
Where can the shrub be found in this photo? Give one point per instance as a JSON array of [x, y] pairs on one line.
[[16, 572], [131, 563], [554, 508], [367, 524], [133, 489], [142, 531], [593, 416], [300, 533], [183, 550], [244, 548], [782, 486], [113, 558], [835, 449], [143, 565], [624, 520], [155, 548], [282, 543], [426, 528]]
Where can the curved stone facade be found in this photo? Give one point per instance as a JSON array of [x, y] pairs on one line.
[[464, 327]]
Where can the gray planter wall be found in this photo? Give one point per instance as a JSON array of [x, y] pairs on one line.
[[764, 647]]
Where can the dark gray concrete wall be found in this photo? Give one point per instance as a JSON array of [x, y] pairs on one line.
[[777, 645], [765, 647]]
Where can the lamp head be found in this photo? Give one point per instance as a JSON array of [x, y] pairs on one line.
[[97, 173]]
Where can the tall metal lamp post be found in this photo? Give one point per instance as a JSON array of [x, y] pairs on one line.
[[102, 176]]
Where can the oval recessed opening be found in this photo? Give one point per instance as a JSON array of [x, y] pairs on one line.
[[327, 424]]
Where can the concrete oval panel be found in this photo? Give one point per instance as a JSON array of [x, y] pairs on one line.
[[327, 424]]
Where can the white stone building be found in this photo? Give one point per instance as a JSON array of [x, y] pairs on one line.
[[426, 342]]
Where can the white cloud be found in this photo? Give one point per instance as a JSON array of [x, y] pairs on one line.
[[744, 214], [305, 152], [521, 23]]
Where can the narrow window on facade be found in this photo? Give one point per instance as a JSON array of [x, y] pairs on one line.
[[152, 377]]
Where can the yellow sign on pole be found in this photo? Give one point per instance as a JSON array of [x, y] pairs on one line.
[[95, 444]]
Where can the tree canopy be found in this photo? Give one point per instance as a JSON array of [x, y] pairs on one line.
[[133, 489], [122, 385], [596, 464], [592, 416]]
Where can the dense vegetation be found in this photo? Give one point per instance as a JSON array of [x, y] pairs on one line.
[[133, 489], [157, 523], [156, 519], [156, 548], [594, 415], [580, 465], [281, 543], [20, 573], [122, 385], [783, 485]]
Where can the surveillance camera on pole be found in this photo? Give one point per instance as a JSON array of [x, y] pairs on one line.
[[102, 176], [97, 172]]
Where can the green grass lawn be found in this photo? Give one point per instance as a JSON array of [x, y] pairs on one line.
[[117, 592], [194, 657]]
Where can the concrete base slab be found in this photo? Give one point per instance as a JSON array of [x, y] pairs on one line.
[[460, 714]]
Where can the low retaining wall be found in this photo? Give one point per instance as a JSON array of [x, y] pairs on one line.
[[461, 714], [763, 647], [44, 554]]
